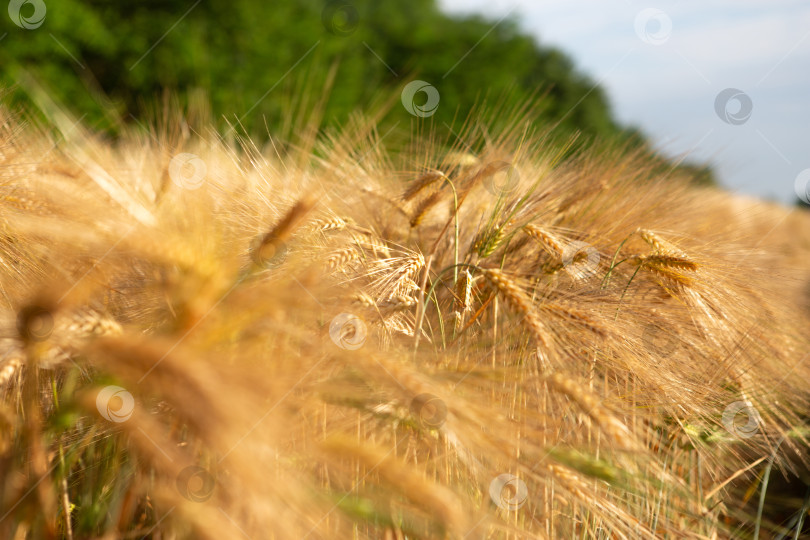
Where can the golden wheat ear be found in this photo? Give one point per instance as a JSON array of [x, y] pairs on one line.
[[273, 243], [331, 223], [660, 245], [547, 240], [672, 269], [424, 206], [509, 289], [340, 258], [463, 297], [421, 183]]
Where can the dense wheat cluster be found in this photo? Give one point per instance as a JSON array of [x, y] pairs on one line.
[[484, 337]]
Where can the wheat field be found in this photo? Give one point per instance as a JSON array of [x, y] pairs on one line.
[[485, 336]]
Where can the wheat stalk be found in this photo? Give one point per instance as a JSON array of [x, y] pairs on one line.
[[397, 303], [668, 268], [276, 238], [463, 297], [421, 183], [670, 261], [519, 301], [592, 406], [405, 275], [572, 314], [333, 223], [658, 244], [424, 206], [548, 241], [372, 243], [340, 258], [363, 299]]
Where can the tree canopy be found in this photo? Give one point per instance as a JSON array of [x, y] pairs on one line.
[[245, 53], [255, 61]]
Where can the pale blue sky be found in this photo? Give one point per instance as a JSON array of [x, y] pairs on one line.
[[761, 47]]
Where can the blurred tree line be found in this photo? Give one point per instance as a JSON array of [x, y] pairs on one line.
[[257, 63]]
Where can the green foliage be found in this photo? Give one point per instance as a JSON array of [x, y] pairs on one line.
[[264, 63], [251, 56]]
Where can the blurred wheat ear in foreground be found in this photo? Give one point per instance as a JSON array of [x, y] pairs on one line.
[[202, 339]]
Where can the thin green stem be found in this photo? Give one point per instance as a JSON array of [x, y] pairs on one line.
[[423, 305], [764, 489], [802, 513], [455, 268], [613, 263]]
